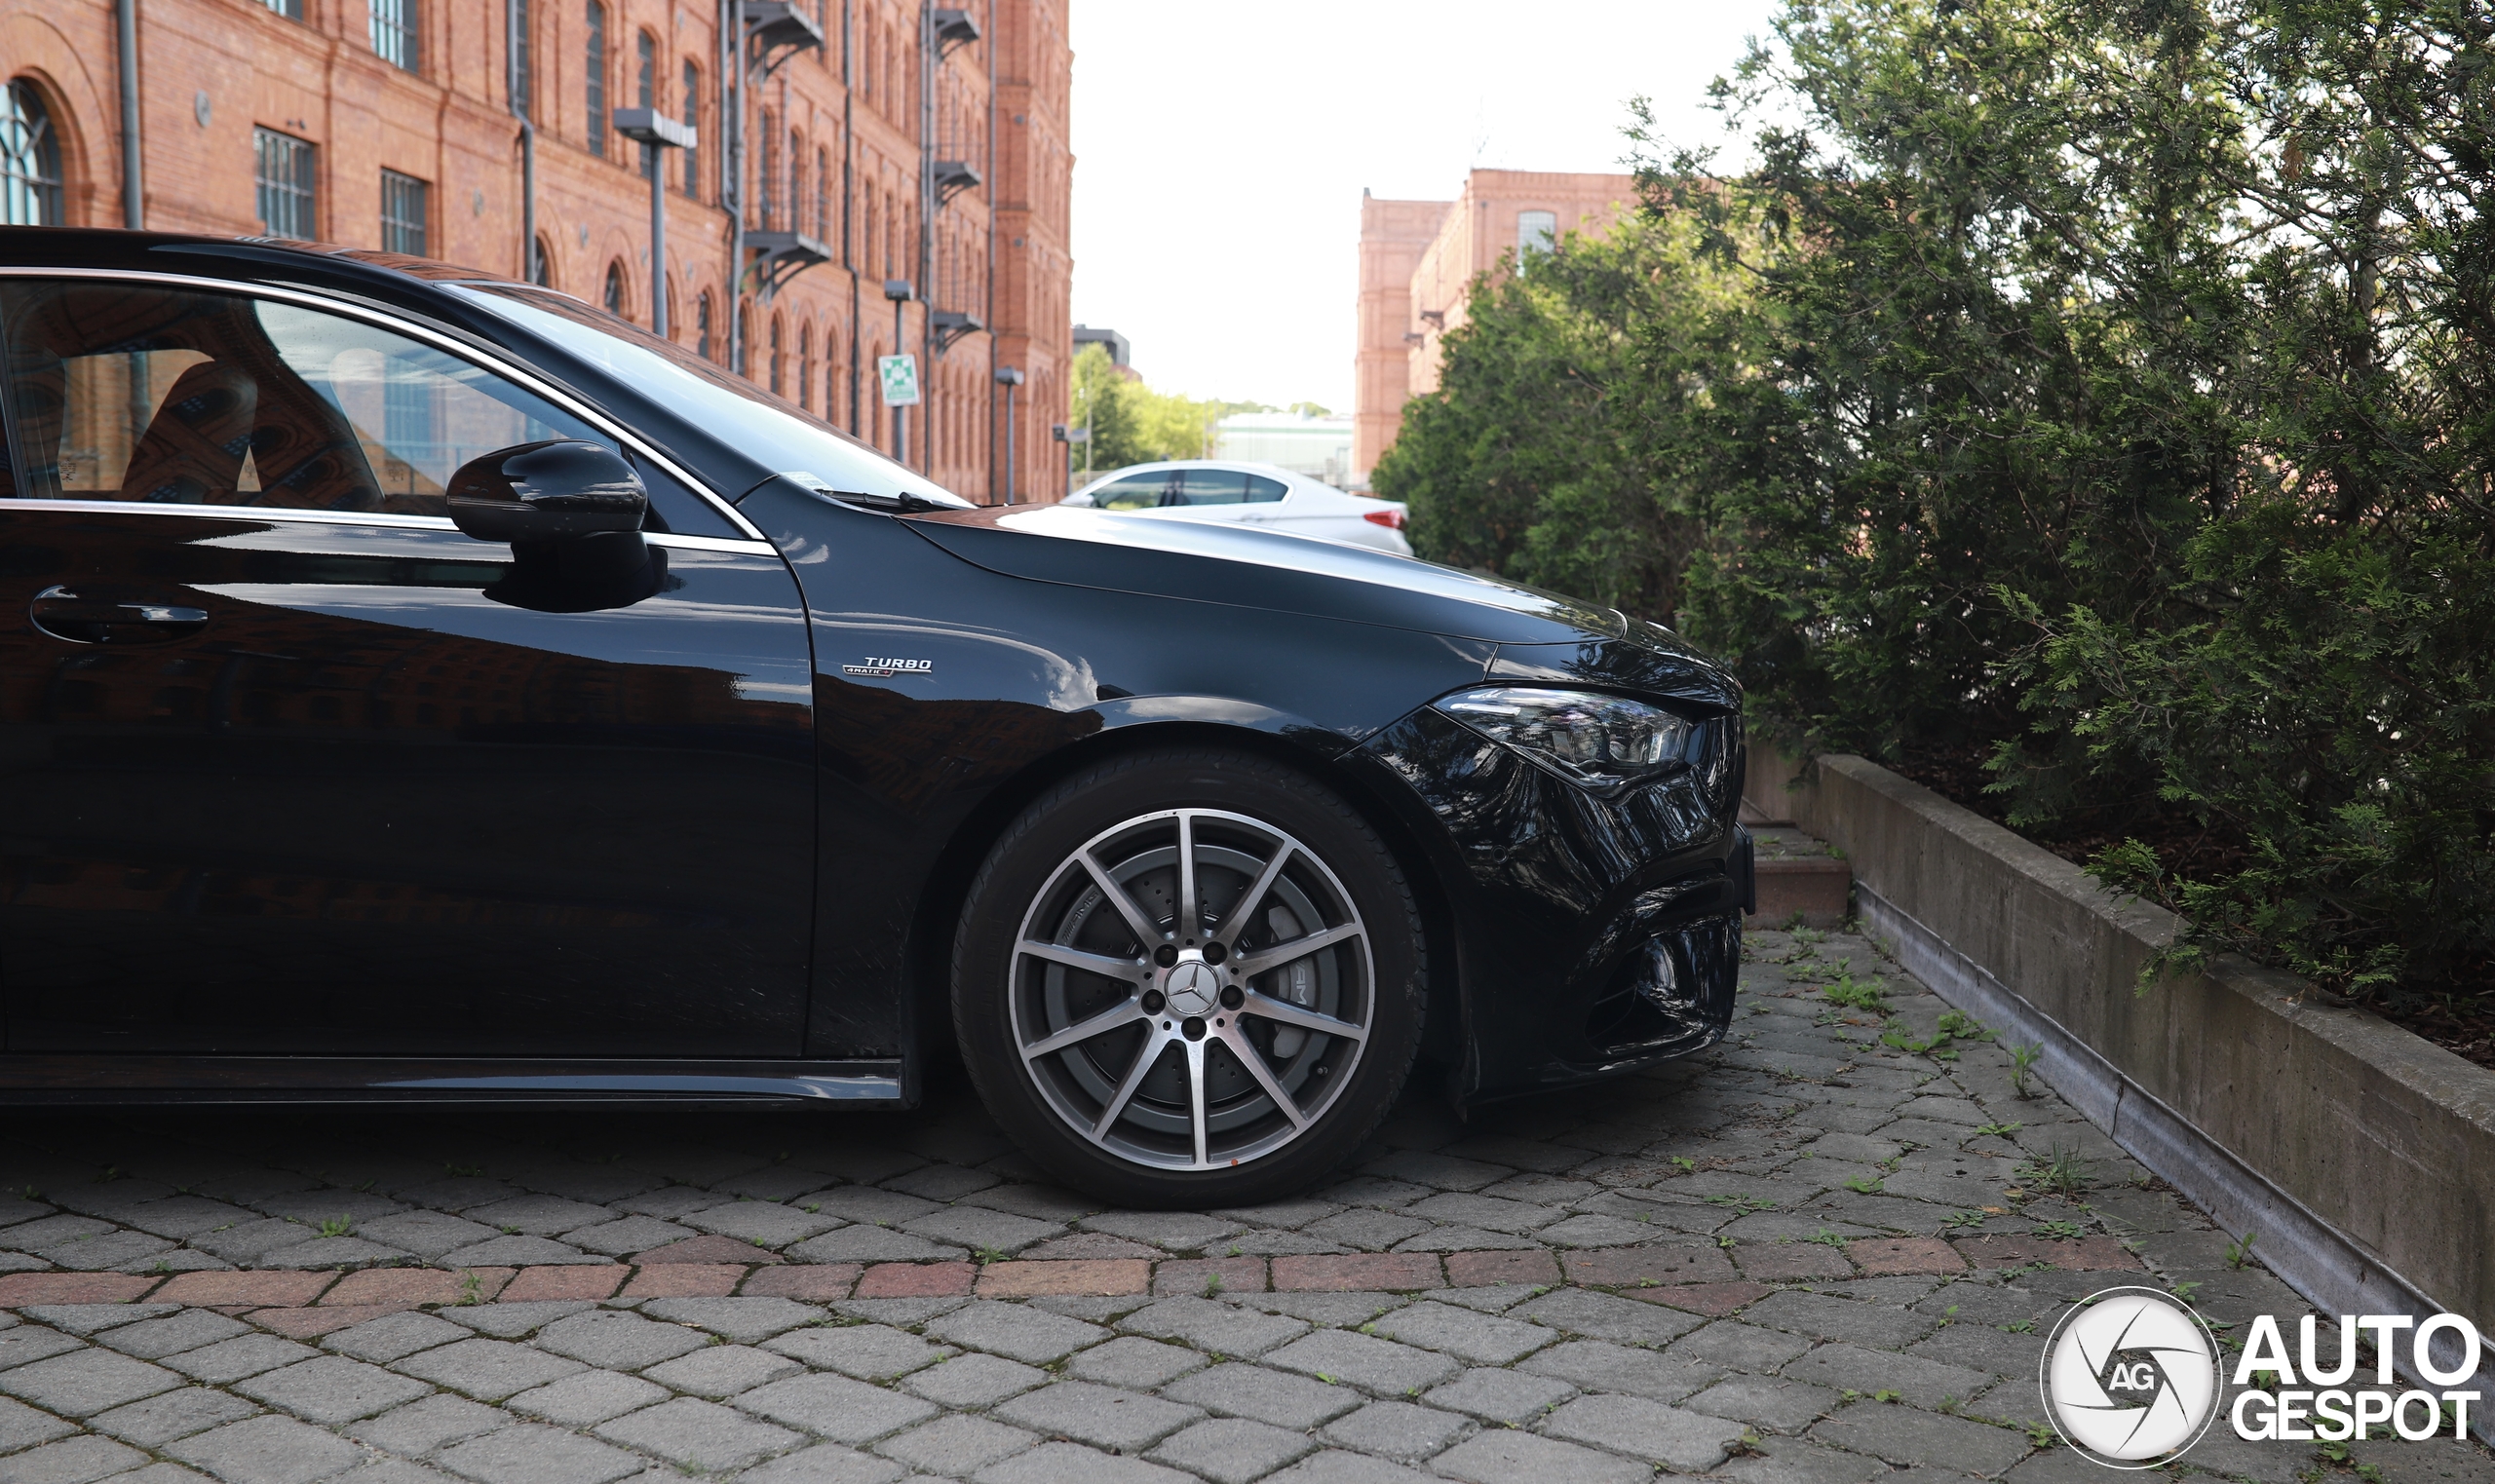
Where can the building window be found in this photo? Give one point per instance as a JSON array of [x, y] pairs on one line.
[[777, 359], [544, 274], [595, 73], [615, 290], [282, 174], [796, 181], [292, 10], [29, 159], [394, 32], [693, 116], [805, 365], [524, 90], [1536, 231], [823, 195], [645, 84], [769, 174], [702, 326], [403, 214]]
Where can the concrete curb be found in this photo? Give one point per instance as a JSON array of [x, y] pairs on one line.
[[2362, 1154]]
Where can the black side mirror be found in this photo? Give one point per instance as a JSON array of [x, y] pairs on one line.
[[553, 490], [572, 511]]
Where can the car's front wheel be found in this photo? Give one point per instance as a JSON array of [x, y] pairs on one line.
[[1189, 978]]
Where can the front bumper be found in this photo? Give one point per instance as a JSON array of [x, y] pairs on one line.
[[1570, 911]]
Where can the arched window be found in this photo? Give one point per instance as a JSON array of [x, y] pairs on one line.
[[805, 365], [615, 290], [702, 326], [796, 181], [543, 274], [778, 361], [29, 159]]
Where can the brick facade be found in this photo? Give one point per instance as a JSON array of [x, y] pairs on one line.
[[1418, 260], [832, 151]]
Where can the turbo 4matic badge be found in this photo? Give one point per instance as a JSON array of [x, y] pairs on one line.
[[875, 669]]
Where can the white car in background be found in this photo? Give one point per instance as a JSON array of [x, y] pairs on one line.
[[1255, 494]]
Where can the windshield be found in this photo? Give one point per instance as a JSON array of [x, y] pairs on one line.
[[772, 432]]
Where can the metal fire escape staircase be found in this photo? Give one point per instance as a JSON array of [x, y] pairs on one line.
[[776, 30], [948, 30]]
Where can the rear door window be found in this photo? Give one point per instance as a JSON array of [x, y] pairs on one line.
[[1264, 491], [1214, 486]]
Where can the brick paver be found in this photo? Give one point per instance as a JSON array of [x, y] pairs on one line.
[[1806, 1257]]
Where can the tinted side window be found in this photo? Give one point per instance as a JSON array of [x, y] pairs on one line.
[[126, 392], [1134, 492], [1214, 486], [1264, 491]]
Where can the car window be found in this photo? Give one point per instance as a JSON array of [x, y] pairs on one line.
[[1214, 486], [1262, 491], [773, 433], [1134, 492], [129, 392]]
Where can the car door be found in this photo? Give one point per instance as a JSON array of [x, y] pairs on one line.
[[290, 765]]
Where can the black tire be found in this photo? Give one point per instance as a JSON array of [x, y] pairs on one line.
[[1325, 878]]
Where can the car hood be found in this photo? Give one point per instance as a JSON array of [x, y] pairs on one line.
[[1213, 562], [1542, 638]]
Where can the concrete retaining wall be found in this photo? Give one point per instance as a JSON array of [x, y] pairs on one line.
[[2364, 1155]]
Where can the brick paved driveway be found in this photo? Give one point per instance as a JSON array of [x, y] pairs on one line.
[[1823, 1255]]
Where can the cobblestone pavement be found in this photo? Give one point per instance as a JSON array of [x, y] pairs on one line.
[[1824, 1254]]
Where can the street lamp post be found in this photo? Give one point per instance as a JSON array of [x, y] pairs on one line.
[[1009, 377], [901, 291], [656, 131]]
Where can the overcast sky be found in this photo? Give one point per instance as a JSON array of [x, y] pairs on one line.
[[1220, 151]]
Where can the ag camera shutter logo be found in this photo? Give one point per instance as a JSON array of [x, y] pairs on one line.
[[2130, 1378]]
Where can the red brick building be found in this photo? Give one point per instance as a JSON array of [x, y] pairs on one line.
[[867, 155], [1418, 263]]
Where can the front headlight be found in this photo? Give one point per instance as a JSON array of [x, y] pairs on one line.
[[1599, 742]]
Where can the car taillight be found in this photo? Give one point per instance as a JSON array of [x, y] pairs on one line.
[[1391, 520]]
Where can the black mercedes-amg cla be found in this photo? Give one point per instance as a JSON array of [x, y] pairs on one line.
[[420, 685]]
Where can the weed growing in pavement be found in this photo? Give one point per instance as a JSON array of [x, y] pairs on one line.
[[338, 1225], [2060, 1171], [2021, 1060], [1743, 1203], [2058, 1230], [2041, 1434], [472, 1287], [510, 1230], [2021, 1327], [1865, 994], [2185, 1290], [472, 1171], [1886, 1395], [986, 1255], [2239, 1251], [1212, 1286], [1828, 1239], [1962, 1219], [1862, 1186], [1998, 1130]]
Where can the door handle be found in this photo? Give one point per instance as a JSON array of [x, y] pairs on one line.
[[91, 617]]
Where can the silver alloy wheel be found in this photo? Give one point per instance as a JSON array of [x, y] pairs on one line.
[[1192, 1040]]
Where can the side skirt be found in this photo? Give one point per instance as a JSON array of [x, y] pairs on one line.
[[75, 1079]]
